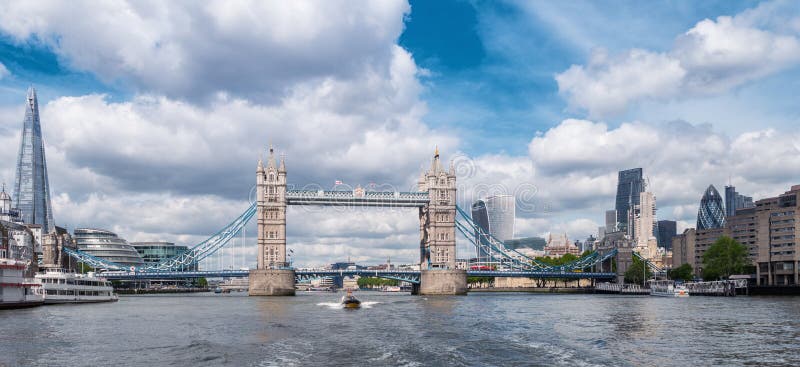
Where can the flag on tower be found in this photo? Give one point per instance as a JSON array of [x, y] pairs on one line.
[[337, 182]]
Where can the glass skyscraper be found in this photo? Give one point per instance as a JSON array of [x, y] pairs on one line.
[[711, 213], [666, 230], [31, 187], [733, 201], [481, 218], [629, 185], [502, 211]]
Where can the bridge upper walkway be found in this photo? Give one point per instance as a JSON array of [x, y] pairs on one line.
[[356, 198]]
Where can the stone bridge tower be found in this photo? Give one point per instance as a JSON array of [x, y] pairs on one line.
[[272, 277], [438, 273], [437, 219]]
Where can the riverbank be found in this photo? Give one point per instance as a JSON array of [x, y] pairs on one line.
[[161, 291], [562, 290]]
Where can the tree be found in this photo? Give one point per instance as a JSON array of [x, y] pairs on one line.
[[202, 282], [724, 258], [637, 272], [683, 272]]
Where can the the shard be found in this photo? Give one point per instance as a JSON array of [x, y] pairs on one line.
[[31, 187]]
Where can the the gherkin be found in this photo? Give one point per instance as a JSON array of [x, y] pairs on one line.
[[31, 187], [712, 212]]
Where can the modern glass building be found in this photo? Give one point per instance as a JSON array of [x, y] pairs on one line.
[[481, 218], [711, 213], [629, 185], [733, 201], [107, 245], [31, 187], [501, 210], [666, 230], [156, 251]]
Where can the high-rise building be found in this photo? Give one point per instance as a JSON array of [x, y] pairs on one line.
[[629, 185], [734, 201], [666, 230], [31, 187], [711, 213], [643, 216], [501, 212], [611, 220], [481, 218]]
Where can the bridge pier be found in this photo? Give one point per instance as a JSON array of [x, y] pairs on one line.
[[271, 282], [442, 282]]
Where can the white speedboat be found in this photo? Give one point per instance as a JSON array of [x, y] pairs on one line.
[[16, 291], [667, 288], [61, 286]]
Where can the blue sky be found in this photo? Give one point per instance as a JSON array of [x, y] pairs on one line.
[[164, 108]]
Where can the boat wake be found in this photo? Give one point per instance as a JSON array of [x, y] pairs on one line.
[[337, 305]]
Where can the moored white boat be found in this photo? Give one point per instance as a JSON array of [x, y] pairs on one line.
[[667, 288], [61, 286], [16, 291]]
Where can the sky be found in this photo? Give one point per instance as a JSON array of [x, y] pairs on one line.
[[156, 113]]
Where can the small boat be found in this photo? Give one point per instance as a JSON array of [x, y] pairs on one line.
[[217, 290], [350, 301]]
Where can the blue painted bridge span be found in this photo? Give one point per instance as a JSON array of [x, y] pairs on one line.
[[411, 276]]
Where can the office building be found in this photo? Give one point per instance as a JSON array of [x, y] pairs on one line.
[[777, 221], [31, 186], [711, 213], [735, 201], [643, 217], [481, 218], [107, 245], [666, 229], [501, 212], [629, 185], [154, 252], [611, 221]]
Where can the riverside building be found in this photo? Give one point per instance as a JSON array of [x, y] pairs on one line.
[[107, 245], [769, 231], [154, 252]]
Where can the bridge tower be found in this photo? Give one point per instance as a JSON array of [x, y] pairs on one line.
[[438, 273], [272, 277]]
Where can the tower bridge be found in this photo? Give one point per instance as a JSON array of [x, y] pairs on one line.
[[436, 201], [439, 221]]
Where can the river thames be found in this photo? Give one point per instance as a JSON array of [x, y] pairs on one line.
[[481, 329]]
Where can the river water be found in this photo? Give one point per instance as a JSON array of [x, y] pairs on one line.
[[481, 329]]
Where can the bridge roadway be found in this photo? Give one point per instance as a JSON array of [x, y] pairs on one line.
[[411, 276]]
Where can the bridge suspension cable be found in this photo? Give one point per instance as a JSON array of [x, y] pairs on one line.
[[496, 249], [181, 262]]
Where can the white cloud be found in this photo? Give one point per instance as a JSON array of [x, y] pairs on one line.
[[710, 58], [194, 50], [4, 71]]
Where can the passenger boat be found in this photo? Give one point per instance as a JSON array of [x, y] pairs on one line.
[[350, 301], [667, 288], [62, 286], [16, 291]]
